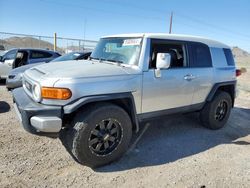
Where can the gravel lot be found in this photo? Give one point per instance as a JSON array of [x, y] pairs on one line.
[[173, 152]]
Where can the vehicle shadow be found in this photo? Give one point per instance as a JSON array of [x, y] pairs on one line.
[[4, 107], [173, 138]]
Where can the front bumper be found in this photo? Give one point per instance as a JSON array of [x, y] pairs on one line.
[[37, 118]]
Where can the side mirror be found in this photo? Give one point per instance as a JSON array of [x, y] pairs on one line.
[[162, 62]]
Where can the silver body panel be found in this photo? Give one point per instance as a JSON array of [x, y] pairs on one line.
[[222, 72], [168, 91]]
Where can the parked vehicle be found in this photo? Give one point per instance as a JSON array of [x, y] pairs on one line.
[[2, 53], [14, 79], [18, 57], [2, 48], [128, 79]]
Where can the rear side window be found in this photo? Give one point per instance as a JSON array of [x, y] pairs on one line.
[[199, 55], [229, 57], [39, 54]]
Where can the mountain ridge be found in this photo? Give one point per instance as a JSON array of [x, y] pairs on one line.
[[240, 55]]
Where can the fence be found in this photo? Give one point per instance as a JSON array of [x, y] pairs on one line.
[[60, 44]]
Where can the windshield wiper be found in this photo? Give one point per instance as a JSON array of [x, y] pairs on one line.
[[102, 59], [94, 58], [112, 60]]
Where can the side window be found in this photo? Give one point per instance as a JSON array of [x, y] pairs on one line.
[[199, 55], [176, 51], [10, 55], [229, 57], [39, 55]]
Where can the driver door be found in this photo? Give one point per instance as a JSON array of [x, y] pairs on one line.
[[171, 90]]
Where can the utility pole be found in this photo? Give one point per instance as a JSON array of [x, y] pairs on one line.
[[84, 33], [55, 44], [171, 22]]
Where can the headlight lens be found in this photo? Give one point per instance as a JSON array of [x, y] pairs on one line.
[[37, 92]]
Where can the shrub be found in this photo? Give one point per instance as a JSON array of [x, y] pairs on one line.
[[243, 70]]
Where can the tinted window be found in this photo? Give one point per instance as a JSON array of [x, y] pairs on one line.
[[39, 54], [199, 55], [229, 57], [10, 55]]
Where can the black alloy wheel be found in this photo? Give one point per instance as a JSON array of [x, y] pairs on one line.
[[221, 110], [105, 137]]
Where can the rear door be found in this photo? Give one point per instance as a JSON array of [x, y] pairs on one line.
[[200, 63]]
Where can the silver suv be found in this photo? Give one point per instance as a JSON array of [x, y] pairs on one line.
[[98, 103]]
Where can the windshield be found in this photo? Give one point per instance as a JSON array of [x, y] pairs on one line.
[[2, 53], [69, 56], [120, 50]]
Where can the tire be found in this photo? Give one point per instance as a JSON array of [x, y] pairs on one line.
[[92, 131], [215, 113]]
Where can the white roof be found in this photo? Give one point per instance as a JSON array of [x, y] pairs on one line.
[[209, 42]]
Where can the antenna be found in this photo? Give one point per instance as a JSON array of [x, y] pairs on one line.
[[171, 22]]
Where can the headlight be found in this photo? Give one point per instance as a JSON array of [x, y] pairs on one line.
[[37, 92]]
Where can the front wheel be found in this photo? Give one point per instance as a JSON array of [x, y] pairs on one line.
[[100, 135], [215, 113]]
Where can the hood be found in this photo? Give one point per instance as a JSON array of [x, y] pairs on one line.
[[83, 69], [23, 68]]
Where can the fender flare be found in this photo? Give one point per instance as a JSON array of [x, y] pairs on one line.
[[73, 106], [217, 85]]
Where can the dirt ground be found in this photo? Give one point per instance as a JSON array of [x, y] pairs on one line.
[[173, 152]]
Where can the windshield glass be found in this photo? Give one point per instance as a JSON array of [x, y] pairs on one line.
[[2, 53], [69, 56], [120, 50]]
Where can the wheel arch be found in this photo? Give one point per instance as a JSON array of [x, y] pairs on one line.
[[123, 100], [228, 87]]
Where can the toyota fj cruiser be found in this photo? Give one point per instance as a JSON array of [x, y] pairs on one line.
[[97, 104]]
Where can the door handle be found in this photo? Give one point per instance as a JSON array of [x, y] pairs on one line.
[[189, 77]]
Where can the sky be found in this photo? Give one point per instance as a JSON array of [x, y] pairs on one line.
[[225, 20]]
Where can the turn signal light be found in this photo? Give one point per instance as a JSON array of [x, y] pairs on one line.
[[56, 93]]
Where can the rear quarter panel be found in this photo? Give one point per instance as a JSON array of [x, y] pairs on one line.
[[222, 71]]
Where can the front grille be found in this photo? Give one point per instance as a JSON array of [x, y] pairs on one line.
[[28, 82], [28, 86]]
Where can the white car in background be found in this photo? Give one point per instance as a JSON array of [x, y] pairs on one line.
[[23, 56]]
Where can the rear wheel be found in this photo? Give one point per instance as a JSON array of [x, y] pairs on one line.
[[100, 135], [215, 113]]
